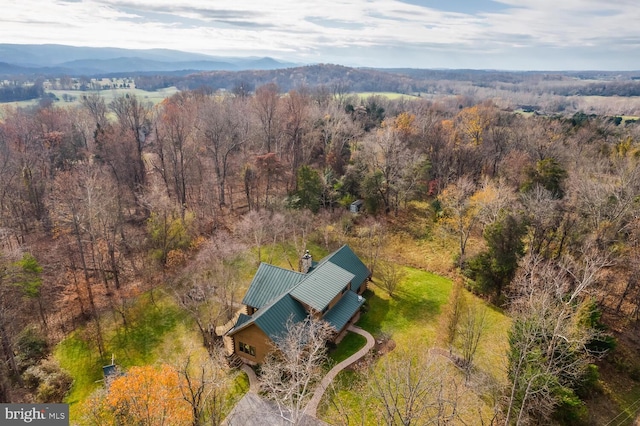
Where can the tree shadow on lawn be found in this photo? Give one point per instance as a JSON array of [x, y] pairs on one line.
[[403, 310], [147, 327], [377, 309], [414, 308]]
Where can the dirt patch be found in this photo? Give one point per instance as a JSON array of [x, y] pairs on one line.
[[384, 346]]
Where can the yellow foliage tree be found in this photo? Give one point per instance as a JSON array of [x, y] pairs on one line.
[[404, 125], [149, 396], [473, 122]]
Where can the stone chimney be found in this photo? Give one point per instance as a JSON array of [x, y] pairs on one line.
[[305, 262]]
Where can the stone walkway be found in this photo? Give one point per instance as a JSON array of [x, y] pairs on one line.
[[254, 383], [312, 407]]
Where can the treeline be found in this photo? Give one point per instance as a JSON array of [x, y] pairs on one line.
[[356, 79], [105, 195], [20, 92], [610, 88], [404, 80]]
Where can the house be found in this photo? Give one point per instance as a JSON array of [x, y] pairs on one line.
[[356, 206], [330, 290]]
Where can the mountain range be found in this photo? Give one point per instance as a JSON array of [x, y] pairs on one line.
[[30, 59]]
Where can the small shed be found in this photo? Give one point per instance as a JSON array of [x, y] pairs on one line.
[[356, 206]]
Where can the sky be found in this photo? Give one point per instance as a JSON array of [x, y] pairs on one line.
[[477, 34]]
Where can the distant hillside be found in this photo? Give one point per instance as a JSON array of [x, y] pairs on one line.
[[72, 60], [333, 76]]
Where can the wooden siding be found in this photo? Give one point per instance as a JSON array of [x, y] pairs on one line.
[[338, 297], [252, 335]]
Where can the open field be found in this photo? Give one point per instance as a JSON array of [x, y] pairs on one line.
[[110, 94], [75, 96]]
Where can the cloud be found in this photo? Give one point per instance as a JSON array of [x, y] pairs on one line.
[[409, 31]]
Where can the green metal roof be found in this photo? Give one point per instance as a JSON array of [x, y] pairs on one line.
[[242, 318], [345, 258], [268, 283], [277, 293], [273, 317], [342, 312], [322, 285]]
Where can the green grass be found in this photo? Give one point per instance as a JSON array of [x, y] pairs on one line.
[[630, 406], [351, 343], [154, 97], [239, 387], [411, 319], [80, 358], [110, 94], [156, 328], [410, 315]]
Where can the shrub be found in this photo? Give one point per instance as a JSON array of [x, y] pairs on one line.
[[50, 382], [32, 347]]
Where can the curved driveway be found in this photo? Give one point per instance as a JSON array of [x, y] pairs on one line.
[[312, 406]]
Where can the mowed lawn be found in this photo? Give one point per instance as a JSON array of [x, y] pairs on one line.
[[410, 316], [412, 319]]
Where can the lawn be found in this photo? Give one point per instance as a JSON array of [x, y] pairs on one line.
[[351, 343], [156, 330], [411, 319], [409, 316]]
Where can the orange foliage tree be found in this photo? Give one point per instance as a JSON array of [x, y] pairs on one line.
[[149, 396]]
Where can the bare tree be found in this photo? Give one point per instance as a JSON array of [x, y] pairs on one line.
[[9, 307], [370, 240], [390, 275], [203, 383], [472, 327], [452, 314], [253, 228], [291, 371], [175, 146], [265, 105], [224, 127], [460, 213], [411, 389], [97, 108], [133, 118]]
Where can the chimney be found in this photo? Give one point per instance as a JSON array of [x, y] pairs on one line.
[[305, 262]]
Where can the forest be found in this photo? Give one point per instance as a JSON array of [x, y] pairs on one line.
[[105, 206]]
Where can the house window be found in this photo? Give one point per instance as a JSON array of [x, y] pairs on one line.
[[247, 349]]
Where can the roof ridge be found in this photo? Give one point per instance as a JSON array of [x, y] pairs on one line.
[[280, 267], [328, 257], [260, 311]]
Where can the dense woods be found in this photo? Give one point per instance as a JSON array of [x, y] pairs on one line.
[[103, 201]]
